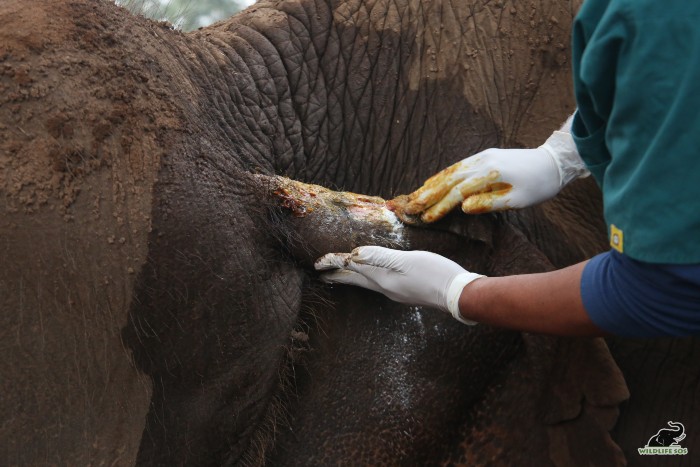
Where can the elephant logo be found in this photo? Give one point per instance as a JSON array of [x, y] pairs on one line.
[[668, 436], [665, 442]]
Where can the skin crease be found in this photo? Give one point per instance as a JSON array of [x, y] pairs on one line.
[[531, 303]]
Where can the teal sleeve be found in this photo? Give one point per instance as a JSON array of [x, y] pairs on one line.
[[636, 75]]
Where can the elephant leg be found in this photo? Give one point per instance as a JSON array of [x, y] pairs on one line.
[[673, 361], [566, 391], [573, 386]]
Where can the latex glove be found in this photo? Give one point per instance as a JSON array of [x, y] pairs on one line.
[[413, 277], [496, 179]]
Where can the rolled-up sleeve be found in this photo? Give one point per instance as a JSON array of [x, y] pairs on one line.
[[630, 298]]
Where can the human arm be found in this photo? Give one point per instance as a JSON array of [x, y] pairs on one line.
[[609, 294], [547, 303]]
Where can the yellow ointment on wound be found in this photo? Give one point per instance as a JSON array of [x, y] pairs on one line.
[[451, 195]]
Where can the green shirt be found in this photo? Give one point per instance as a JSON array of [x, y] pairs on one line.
[[636, 67]]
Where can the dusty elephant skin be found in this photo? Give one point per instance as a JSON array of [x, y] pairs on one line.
[[157, 304]]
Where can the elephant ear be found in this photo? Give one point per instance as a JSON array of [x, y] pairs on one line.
[[555, 403]]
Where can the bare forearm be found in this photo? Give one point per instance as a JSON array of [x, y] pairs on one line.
[[547, 303]]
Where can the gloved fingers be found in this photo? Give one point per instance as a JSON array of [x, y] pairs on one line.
[[343, 270], [435, 188], [365, 260], [469, 187], [332, 261], [376, 256], [369, 260], [424, 197], [495, 200], [343, 276]]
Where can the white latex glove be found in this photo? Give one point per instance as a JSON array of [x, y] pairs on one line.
[[497, 179], [413, 277]]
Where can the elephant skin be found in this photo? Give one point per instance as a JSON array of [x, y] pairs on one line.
[[156, 300]]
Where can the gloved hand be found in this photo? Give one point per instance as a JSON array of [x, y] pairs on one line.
[[497, 179], [412, 277]]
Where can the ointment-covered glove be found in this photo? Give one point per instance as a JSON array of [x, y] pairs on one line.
[[412, 277], [496, 179]]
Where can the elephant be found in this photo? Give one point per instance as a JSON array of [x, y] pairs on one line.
[[668, 436], [163, 195]]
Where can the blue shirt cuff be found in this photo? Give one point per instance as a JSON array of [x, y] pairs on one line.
[[631, 298]]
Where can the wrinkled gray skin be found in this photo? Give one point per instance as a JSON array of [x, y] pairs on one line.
[[156, 303]]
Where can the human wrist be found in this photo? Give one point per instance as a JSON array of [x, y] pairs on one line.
[[454, 294], [560, 146]]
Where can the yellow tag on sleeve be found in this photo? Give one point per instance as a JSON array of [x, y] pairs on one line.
[[616, 238]]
